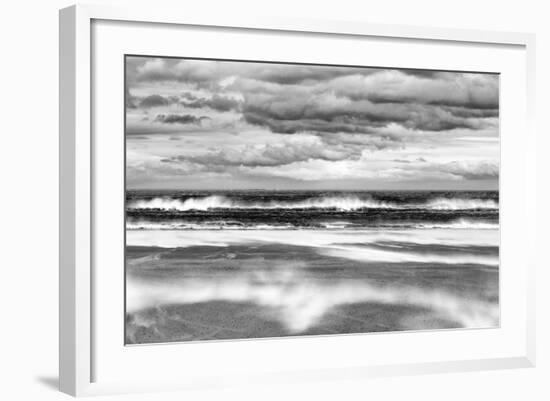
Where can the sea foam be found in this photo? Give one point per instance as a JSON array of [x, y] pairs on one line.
[[344, 203]]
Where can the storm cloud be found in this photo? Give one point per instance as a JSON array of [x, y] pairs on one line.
[[291, 99], [179, 119], [154, 101], [287, 152], [209, 120], [216, 102]]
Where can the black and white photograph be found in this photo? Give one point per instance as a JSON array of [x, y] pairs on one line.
[[270, 199]]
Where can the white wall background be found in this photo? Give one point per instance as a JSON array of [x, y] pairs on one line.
[[28, 198]]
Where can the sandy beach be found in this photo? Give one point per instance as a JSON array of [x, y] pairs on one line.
[[213, 285]]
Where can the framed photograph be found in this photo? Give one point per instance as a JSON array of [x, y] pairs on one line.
[[273, 200]]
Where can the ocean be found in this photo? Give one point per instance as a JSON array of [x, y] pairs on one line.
[[218, 265]]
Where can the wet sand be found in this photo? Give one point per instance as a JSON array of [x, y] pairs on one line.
[[261, 288]]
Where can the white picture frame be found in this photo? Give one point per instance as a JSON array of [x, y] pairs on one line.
[[78, 350]]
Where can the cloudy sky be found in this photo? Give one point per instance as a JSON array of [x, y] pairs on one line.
[[201, 124]]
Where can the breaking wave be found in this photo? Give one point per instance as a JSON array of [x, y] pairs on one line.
[[461, 224], [344, 203], [460, 204], [464, 224], [214, 225]]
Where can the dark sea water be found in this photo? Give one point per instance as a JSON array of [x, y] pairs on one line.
[[309, 209]]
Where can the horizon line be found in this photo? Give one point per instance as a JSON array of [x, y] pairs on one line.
[[312, 190]]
